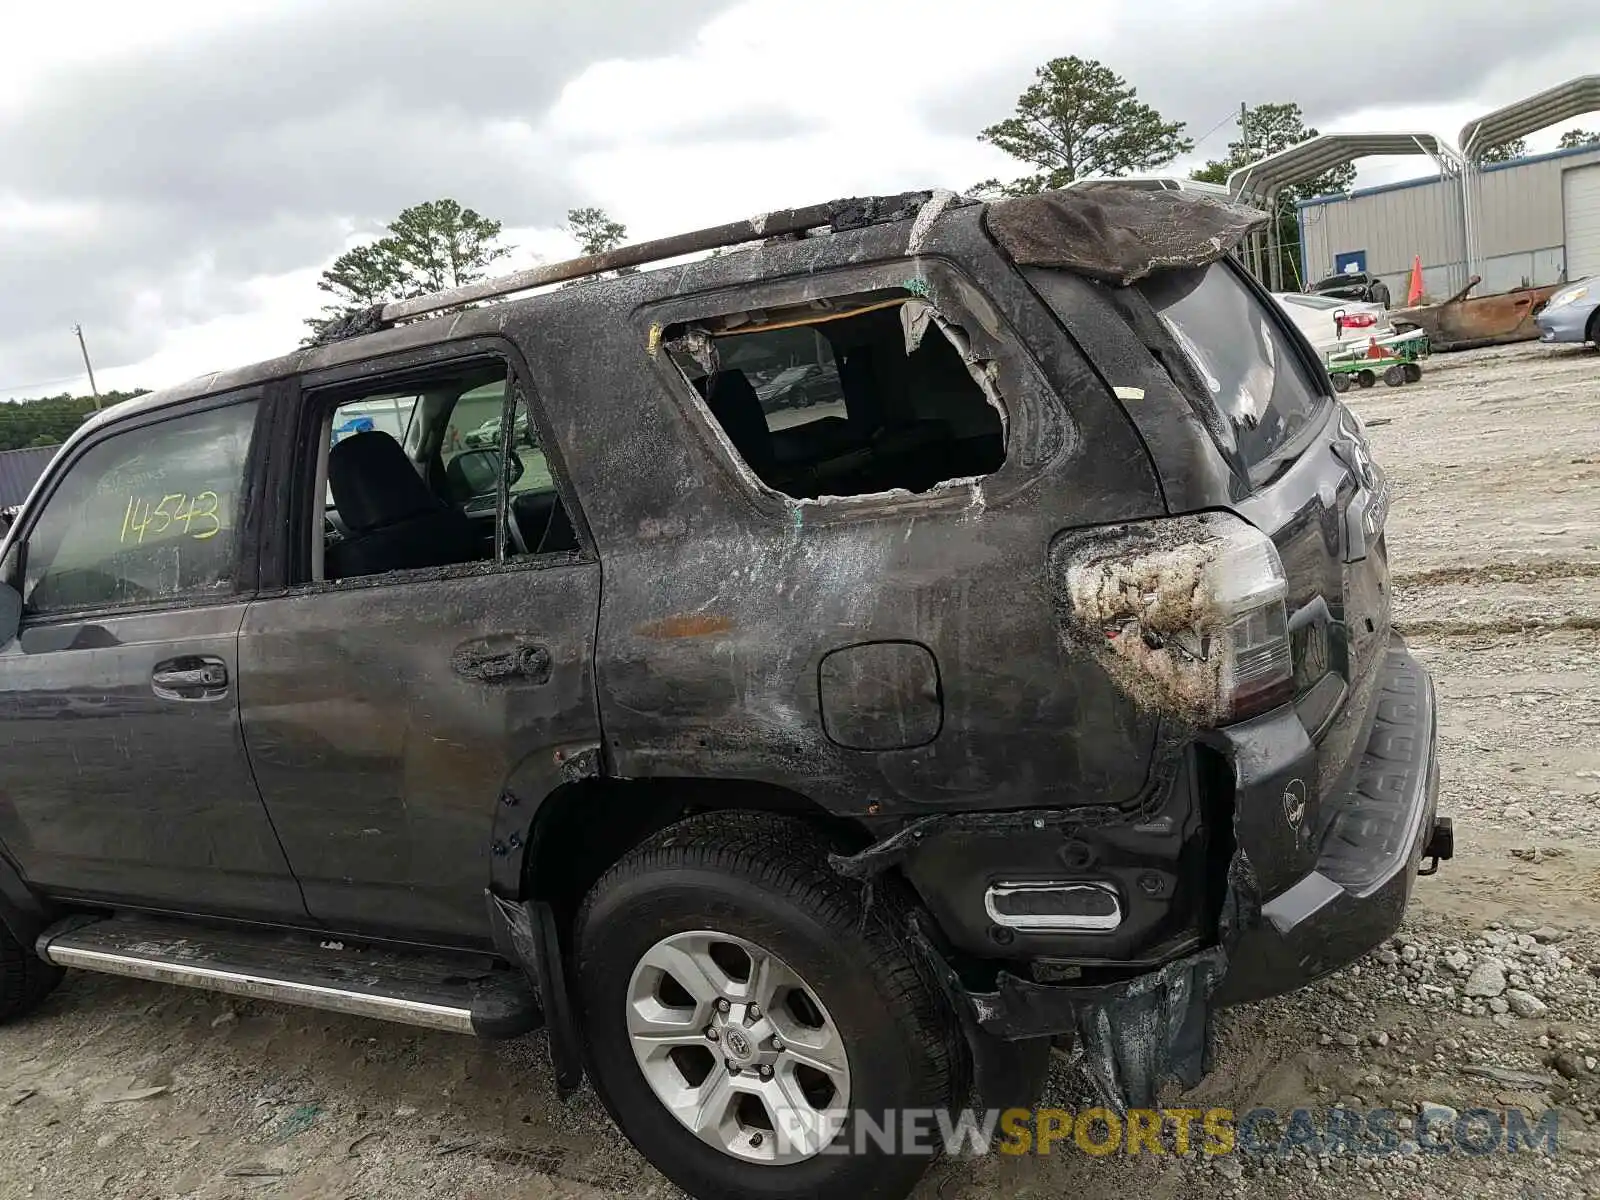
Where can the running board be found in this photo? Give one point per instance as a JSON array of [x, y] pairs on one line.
[[460, 993]]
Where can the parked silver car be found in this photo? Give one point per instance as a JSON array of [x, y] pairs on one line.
[[1573, 314]]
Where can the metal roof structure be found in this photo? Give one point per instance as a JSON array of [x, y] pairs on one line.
[[20, 470], [1258, 183], [1536, 112], [1263, 179]]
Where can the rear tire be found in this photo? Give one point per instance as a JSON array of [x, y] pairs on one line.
[[1413, 372], [760, 882], [1395, 376], [25, 978], [1366, 378], [1341, 383]]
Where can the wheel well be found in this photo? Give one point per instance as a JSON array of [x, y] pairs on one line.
[[581, 829], [1594, 327]]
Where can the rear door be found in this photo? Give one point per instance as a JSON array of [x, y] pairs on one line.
[[394, 716], [123, 774]]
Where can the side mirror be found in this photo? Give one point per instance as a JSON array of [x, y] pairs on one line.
[[10, 613], [475, 473]]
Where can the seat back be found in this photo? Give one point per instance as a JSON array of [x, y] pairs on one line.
[[396, 523]]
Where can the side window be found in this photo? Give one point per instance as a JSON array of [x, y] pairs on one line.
[[145, 515], [412, 476], [538, 521], [844, 397]]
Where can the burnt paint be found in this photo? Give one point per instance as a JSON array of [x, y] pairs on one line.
[[961, 570], [109, 791], [1156, 866], [880, 696], [380, 749], [958, 570]]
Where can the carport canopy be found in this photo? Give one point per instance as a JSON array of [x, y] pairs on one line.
[[1260, 181], [1570, 99]]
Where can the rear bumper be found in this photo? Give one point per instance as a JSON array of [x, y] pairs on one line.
[[1373, 834], [1370, 835]]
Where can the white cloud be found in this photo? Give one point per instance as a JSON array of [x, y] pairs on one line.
[[186, 247]]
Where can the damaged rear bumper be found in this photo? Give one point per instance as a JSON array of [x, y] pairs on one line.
[[1372, 831], [1374, 834]]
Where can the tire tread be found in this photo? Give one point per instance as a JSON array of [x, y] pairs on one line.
[[25, 978]]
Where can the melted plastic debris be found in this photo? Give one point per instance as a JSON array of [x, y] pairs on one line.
[[926, 216], [696, 344], [1132, 1037], [1119, 234], [1142, 603]]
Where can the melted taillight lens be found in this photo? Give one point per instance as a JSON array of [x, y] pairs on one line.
[[1187, 614]]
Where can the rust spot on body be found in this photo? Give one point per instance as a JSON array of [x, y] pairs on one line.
[[686, 625]]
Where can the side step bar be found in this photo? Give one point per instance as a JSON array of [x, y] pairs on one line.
[[460, 993]]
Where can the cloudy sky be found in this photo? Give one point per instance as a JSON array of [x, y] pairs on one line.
[[175, 173]]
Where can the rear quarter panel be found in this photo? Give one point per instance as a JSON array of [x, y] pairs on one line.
[[722, 599]]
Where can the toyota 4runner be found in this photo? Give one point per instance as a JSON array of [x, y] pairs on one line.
[[796, 760]]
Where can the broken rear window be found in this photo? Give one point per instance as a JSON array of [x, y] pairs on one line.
[[845, 397]]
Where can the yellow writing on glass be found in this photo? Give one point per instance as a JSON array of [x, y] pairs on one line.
[[197, 515]]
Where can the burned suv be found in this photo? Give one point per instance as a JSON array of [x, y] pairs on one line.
[[798, 766]]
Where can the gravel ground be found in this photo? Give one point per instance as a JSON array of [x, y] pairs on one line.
[[1489, 997]]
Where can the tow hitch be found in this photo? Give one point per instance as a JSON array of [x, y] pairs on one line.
[[1441, 845]]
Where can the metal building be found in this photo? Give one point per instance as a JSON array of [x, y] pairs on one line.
[[1529, 222], [1536, 221], [20, 470], [1260, 183]]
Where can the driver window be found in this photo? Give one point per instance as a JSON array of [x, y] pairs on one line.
[[149, 514]]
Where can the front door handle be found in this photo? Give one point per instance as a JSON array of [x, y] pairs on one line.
[[192, 677], [503, 658]]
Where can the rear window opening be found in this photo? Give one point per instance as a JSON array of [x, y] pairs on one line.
[[845, 397]]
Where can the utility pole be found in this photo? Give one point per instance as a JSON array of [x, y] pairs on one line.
[[87, 365], [1255, 250]]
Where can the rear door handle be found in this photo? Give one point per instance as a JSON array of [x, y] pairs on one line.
[[192, 677], [502, 658]]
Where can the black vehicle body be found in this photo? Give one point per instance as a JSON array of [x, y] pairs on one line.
[[890, 667], [1353, 285]]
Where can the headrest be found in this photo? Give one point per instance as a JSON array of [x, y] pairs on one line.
[[374, 484]]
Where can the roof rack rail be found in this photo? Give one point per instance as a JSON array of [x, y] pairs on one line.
[[773, 224], [837, 215]]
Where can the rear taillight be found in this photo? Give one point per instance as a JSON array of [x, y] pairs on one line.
[[1360, 320], [1187, 614], [1257, 666]]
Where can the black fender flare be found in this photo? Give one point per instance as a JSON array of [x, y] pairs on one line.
[[525, 932], [23, 912]]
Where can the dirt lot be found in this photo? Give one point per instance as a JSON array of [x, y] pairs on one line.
[[1489, 998]]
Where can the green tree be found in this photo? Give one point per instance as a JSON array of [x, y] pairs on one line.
[[1504, 152], [1267, 129], [428, 248], [1573, 138], [49, 420], [594, 230], [1081, 118]]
